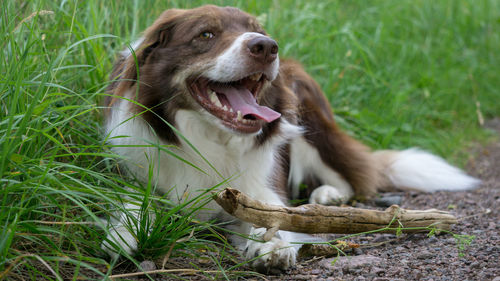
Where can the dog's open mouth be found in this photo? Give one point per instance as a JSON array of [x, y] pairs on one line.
[[235, 103]]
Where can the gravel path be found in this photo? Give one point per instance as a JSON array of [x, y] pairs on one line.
[[418, 257]]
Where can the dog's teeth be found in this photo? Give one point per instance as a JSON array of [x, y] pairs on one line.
[[225, 108], [239, 117], [231, 110], [256, 76], [214, 99]]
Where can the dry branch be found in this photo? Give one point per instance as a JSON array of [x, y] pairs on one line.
[[328, 219]]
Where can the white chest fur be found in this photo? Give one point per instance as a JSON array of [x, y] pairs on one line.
[[206, 156]]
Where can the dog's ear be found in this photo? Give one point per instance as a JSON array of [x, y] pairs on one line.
[[157, 35]]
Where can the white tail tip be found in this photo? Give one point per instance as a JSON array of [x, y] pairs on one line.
[[420, 170]]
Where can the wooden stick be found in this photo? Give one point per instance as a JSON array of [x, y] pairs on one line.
[[314, 218]]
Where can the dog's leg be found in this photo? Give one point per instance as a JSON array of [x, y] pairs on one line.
[[333, 158], [329, 195], [306, 162], [266, 257], [271, 256], [121, 238]]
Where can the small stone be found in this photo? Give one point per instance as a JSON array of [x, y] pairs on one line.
[[382, 238], [450, 241], [351, 264], [357, 251], [425, 255], [147, 266], [360, 205], [304, 277], [465, 261], [315, 271], [493, 249], [485, 275], [432, 239], [388, 201], [497, 278], [475, 265], [354, 271], [377, 270]]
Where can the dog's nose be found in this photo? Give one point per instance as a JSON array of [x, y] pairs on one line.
[[263, 49]]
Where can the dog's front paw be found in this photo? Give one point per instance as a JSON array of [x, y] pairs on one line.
[[119, 241], [328, 195], [271, 257]]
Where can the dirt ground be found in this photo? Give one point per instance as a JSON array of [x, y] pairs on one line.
[[475, 256], [418, 257]]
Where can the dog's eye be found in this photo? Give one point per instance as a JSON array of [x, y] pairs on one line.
[[206, 35]]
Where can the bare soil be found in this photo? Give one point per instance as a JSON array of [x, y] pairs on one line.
[[439, 257]]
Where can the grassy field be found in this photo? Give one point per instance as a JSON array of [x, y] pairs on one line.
[[398, 74]]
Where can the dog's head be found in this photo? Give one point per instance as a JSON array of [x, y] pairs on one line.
[[216, 61]]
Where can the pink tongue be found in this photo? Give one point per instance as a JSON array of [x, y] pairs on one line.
[[242, 99]]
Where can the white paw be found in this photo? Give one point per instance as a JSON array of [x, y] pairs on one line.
[[328, 195], [273, 256], [119, 241]]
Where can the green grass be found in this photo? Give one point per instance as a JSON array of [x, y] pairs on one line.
[[398, 74]]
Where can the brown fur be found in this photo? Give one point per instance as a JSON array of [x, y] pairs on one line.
[[349, 157], [167, 47]]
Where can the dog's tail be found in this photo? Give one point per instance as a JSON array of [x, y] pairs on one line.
[[415, 169]]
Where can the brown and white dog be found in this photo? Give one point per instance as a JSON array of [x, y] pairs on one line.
[[240, 112]]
